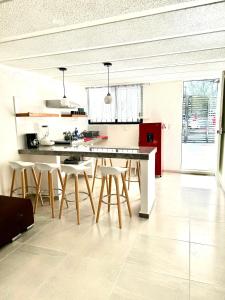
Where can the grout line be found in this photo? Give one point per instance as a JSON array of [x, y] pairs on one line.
[[11, 252], [162, 238], [123, 266], [46, 248], [164, 273]]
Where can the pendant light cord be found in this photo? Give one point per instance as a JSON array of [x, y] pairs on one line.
[[108, 79], [64, 90]]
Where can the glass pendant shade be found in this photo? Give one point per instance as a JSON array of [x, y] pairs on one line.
[[65, 102], [108, 99]]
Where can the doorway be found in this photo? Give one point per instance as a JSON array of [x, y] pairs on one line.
[[199, 117]]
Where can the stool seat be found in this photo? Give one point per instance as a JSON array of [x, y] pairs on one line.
[[112, 170], [21, 167], [46, 166], [76, 170], [18, 165]]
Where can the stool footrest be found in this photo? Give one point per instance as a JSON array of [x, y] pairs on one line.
[[111, 202], [72, 193], [132, 180]]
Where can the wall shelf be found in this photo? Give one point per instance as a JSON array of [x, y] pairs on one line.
[[38, 115], [29, 114], [73, 116]]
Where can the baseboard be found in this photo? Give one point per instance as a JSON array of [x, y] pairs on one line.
[[191, 172]]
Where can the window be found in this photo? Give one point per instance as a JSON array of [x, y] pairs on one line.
[[126, 106], [199, 111]]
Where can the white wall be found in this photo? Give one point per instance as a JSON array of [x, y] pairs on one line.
[[29, 91], [162, 102], [118, 135]]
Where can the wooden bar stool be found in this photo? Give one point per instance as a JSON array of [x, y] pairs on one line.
[[75, 170], [103, 163], [22, 167], [113, 172], [49, 168], [128, 173]]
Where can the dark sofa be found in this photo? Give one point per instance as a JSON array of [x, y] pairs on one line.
[[16, 215]]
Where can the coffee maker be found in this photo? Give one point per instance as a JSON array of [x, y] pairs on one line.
[[32, 140]]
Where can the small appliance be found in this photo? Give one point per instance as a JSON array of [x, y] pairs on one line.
[[31, 140], [45, 141]]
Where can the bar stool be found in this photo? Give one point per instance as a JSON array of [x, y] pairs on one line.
[[50, 168], [113, 172], [75, 170], [138, 169], [103, 163], [22, 167]]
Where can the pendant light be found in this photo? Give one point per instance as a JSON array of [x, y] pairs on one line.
[[108, 97], [64, 102]]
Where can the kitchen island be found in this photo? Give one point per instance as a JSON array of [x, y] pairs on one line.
[[146, 155]]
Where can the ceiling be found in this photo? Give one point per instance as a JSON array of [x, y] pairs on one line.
[[145, 40]]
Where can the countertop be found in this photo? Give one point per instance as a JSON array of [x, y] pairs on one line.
[[142, 153]]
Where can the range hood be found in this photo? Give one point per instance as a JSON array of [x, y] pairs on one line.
[[64, 103]]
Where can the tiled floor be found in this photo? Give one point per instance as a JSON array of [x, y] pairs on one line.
[[177, 254]]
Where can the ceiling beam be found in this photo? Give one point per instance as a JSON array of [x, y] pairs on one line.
[[178, 36], [147, 68], [115, 19], [130, 58]]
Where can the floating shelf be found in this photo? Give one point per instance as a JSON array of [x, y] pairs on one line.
[[38, 115], [29, 114], [72, 116]]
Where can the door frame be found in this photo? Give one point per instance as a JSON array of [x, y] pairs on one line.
[[220, 127], [219, 115]]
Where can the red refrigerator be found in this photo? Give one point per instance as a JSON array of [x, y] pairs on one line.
[[150, 135]]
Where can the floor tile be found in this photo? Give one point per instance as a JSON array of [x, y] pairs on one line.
[[25, 269], [166, 227], [208, 264], [171, 209], [211, 213], [161, 255], [61, 235], [139, 282], [88, 279], [210, 233], [9, 248], [200, 291]]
